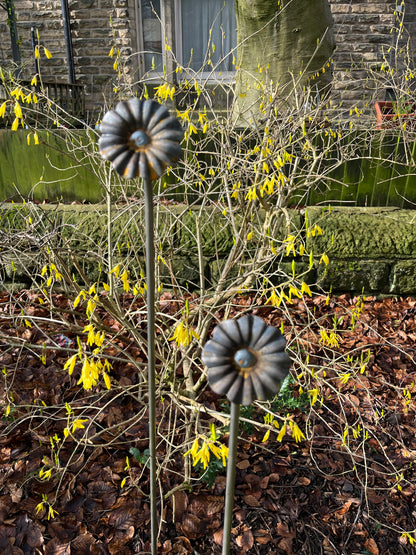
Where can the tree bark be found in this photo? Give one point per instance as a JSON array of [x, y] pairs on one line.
[[282, 45]]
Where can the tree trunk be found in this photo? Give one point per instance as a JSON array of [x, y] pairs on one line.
[[282, 44]]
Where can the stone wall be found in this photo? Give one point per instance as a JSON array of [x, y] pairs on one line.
[[362, 30], [370, 250], [96, 26], [366, 34]]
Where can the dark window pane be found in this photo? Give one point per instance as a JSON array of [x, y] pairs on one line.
[[208, 23], [152, 34]]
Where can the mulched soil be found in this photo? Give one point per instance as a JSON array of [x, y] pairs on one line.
[[333, 493]]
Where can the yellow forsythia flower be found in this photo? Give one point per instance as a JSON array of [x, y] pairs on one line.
[[306, 289], [91, 334], [45, 474], [324, 259], [81, 295], [107, 380], [70, 364], [52, 513], [183, 335], [296, 432], [125, 279], [38, 508], [202, 454], [274, 299], [314, 395], [282, 432], [266, 436], [78, 424], [18, 110], [116, 270]]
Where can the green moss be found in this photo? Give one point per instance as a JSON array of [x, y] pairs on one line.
[[364, 232], [48, 170], [404, 278], [360, 276]]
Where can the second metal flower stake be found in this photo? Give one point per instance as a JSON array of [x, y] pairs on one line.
[[140, 138], [246, 360]]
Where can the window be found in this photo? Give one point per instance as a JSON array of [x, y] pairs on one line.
[[151, 32], [202, 33], [207, 26]]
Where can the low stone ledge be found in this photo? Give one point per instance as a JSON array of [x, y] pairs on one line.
[[370, 250], [366, 233]]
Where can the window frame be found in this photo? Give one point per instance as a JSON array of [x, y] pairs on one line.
[[171, 24]]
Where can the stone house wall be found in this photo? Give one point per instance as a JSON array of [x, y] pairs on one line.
[[366, 35], [96, 26], [362, 30]]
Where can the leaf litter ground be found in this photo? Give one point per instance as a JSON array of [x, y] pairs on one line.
[[348, 488]]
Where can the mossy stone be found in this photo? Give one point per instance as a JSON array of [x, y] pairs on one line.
[[404, 278], [373, 233], [356, 276]]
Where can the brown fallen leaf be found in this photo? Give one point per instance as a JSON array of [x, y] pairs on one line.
[[285, 544], [245, 541], [283, 530], [345, 508], [166, 547], [83, 542], [371, 546], [205, 505], [191, 526], [262, 536], [218, 536], [54, 547], [242, 465], [251, 501], [180, 504]]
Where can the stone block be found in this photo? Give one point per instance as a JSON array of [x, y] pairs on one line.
[[283, 272], [364, 233], [356, 276], [216, 234], [216, 267], [186, 272], [403, 281]]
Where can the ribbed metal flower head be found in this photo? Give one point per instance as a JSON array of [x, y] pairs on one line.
[[140, 138], [246, 360]]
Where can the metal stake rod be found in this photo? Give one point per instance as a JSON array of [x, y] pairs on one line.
[[229, 492], [141, 139], [150, 282]]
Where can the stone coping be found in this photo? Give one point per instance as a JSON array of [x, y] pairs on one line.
[[370, 250]]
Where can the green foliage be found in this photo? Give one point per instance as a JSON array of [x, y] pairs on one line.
[[209, 474], [142, 458], [288, 400]]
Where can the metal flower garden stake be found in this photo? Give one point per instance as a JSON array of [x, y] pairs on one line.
[[246, 360], [140, 138]]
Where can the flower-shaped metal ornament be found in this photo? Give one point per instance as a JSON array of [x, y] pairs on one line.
[[140, 138], [246, 360]]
